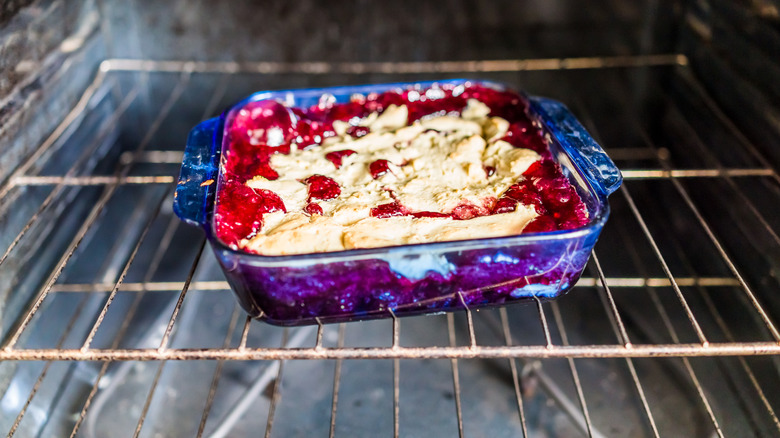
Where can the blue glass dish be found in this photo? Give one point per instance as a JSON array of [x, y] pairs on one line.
[[408, 279]]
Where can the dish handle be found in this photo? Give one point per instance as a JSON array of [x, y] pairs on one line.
[[589, 157], [199, 170]]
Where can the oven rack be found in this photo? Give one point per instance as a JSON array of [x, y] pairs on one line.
[[690, 342]]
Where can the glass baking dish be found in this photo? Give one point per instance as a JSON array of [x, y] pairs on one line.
[[408, 279]]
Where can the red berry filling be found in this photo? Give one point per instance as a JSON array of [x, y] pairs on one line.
[[379, 168], [241, 210], [357, 131], [322, 187], [555, 200], [389, 210], [312, 208], [337, 156], [524, 135], [429, 214]]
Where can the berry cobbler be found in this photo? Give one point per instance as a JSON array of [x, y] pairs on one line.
[[408, 166]]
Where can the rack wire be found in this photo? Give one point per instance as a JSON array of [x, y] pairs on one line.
[[686, 341]]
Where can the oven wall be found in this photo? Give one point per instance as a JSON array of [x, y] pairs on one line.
[[734, 47], [49, 52], [387, 31]]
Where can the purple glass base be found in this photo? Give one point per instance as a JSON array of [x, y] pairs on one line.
[[413, 284]]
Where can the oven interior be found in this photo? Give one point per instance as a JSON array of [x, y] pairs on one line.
[[115, 319]]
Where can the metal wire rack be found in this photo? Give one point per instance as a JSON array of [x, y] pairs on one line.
[[677, 272]]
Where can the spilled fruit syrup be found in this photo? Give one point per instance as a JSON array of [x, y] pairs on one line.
[[263, 128]]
